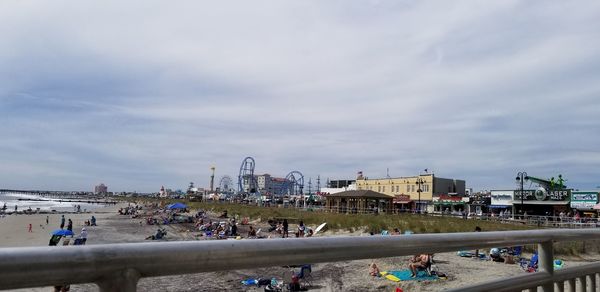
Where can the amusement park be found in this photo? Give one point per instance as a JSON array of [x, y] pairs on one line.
[[250, 187], [423, 193]]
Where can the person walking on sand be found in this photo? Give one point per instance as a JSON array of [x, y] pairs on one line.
[[47, 219], [70, 225], [30, 228], [62, 222]]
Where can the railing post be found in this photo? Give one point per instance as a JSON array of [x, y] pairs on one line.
[[546, 263], [120, 281], [581, 287], [559, 286], [570, 285], [591, 283]]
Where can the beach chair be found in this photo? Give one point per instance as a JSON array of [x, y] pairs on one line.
[[66, 241], [305, 275], [531, 265]]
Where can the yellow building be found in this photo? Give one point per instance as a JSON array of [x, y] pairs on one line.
[[414, 192]]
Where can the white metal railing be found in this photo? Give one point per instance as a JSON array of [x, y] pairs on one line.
[[118, 267]]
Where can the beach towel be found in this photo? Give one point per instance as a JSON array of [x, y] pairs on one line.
[[404, 275], [250, 282]]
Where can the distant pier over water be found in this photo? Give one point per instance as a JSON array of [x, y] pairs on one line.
[[59, 196]]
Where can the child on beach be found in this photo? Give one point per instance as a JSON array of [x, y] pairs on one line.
[[374, 270], [30, 227]]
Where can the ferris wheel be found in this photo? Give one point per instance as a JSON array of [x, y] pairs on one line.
[[226, 185]]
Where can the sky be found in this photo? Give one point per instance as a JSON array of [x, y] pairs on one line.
[[140, 94]]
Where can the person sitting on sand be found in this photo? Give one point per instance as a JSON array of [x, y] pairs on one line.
[[374, 270], [420, 261], [301, 229], [251, 232], [496, 256], [310, 233]]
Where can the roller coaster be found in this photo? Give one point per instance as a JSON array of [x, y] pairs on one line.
[[247, 180]]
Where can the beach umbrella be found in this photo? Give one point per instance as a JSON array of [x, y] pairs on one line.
[[177, 206], [63, 232]]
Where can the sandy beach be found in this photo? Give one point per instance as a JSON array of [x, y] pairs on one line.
[[337, 276]]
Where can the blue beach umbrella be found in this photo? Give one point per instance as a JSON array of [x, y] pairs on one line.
[[177, 206], [63, 232]]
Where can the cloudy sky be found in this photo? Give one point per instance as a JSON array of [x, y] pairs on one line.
[[139, 94]]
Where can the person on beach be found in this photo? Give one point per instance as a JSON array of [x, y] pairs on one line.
[[15, 209], [70, 225], [301, 229], [374, 270], [477, 229], [93, 222], [47, 219], [83, 235], [62, 222], [418, 262], [285, 228], [251, 232], [30, 228]]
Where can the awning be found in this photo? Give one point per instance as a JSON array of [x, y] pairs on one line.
[[402, 202], [531, 202], [449, 203]]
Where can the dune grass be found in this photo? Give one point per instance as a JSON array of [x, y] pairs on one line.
[[377, 223], [359, 222]]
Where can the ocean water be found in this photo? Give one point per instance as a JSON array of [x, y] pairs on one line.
[[13, 199]]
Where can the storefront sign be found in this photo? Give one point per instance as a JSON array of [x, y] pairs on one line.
[[542, 195], [450, 200], [584, 200], [584, 196], [582, 205], [401, 199], [501, 198]]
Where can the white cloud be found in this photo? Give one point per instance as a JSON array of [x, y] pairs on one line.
[[142, 94]]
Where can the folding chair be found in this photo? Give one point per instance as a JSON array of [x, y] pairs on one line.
[[305, 275]]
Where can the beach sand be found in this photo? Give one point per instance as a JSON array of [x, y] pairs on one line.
[[336, 276]]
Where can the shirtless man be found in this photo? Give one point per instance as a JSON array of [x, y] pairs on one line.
[[418, 261]]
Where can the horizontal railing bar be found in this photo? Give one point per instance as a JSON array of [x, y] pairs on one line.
[[525, 281], [574, 272], [43, 266], [516, 283]]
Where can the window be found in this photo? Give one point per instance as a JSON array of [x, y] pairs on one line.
[[407, 188], [379, 188], [397, 189], [383, 189], [413, 188]]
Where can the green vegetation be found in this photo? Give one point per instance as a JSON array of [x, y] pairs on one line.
[[376, 223], [358, 222]]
